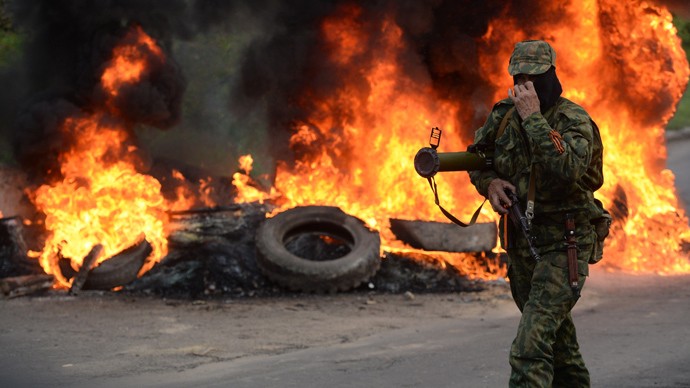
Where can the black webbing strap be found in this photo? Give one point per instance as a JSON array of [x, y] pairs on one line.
[[432, 183]]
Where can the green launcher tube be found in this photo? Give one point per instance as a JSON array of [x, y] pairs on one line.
[[428, 162]]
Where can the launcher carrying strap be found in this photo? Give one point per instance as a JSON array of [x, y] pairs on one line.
[[432, 183]]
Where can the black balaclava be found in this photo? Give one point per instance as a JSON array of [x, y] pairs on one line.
[[548, 88]]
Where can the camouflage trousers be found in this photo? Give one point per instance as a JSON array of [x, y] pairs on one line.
[[545, 352]]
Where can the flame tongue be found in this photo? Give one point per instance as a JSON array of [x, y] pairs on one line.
[[102, 198], [129, 60]]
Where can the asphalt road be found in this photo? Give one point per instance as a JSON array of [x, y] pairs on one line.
[[633, 333]]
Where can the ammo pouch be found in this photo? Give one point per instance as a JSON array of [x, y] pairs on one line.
[[602, 223]]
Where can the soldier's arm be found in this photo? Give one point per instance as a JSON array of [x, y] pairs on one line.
[[486, 135]]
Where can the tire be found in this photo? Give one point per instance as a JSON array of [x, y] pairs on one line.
[[320, 275]]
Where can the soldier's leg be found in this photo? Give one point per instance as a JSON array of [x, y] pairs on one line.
[[550, 300], [569, 366], [520, 276]]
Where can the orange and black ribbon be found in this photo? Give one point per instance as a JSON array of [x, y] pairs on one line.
[[557, 141]]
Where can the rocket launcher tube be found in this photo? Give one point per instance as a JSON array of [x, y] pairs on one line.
[[428, 161]]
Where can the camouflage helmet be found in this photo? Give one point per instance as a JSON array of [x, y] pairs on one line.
[[531, 57]]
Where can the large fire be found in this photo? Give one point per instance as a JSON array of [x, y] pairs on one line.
[[615, 58]]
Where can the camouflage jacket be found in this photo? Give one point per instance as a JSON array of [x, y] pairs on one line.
[[565, 181]]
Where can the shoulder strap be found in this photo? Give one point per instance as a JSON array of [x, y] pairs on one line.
[[504, 122], [473, 220]]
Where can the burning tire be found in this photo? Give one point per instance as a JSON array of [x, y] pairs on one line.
[[317, 249]]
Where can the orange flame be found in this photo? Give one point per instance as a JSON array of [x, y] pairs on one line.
[[607, 52], [247, 191], [129, 61], [102, 198], [185, 197]]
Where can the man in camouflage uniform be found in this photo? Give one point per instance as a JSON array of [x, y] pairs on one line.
[[553, 138]]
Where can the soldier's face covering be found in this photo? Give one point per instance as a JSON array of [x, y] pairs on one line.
[[547, 86]]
